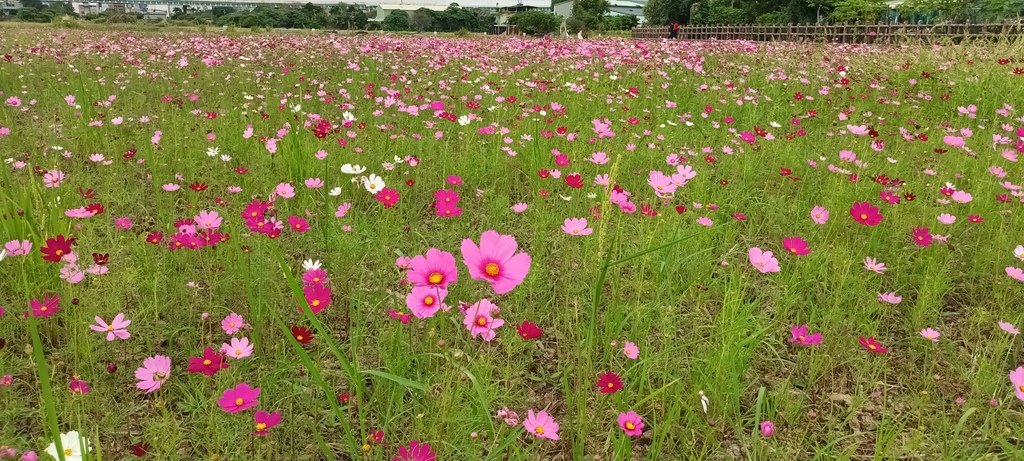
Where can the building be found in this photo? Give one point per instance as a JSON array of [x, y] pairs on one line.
[[563, 8], [384, 9], [504, 16]]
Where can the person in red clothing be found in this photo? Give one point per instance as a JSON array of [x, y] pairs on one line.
[[673, 31]]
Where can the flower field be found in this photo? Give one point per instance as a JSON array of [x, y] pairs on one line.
[[241, 246]]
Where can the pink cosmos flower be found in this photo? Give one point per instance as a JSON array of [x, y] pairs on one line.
[[576, 226], [342, 210], [631, 350], [519, 207], [931, 334], [631, 423], [1017, 379], [403, 262], [314, 183], [1008, 327], [415, 451], [264, 422], [78, 386], [890, 297], [541, 425], [480, 320], [18, 248], [240, 398], [763, 261], [153, 373], [284, 190], [705, 221], [115, 329], [796, 245], [318, 297], [1015, 273], [873, 265], [53, 178], [238, 348], [123, 223], [49, 305], [232, 323], [425, 301], [496, 261], [800, 335], [946, 218], [297, 224], [961, 197], [819, 214], [208, 220], [437, 269], [767, 428]]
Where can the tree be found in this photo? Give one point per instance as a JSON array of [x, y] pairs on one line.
[[857, 10], [395, 21], [587, 14], [349, 17], [717, 12], [421, 19], [219, 11], [536, 22], [665, 12]]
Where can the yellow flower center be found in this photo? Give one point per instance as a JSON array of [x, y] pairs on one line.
[[863, 216], [429, 301], [792, 250], [492, 269], [801, 338], [435, 278], [539, 430], [110, 328], [575, 231], [207, 362], [482, 321], [872, 346], [238, 352], [316, 303], [260, 427], [299, 337], [254, 214], [159, 376], [611, 385], [630, 425], [239, 401], [59, 252], [68, 452], [1021, 387], [43, 308], [316, 279]]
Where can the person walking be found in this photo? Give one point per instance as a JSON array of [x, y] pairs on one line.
[[673, 31]]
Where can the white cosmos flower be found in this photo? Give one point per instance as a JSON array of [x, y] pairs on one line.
[[591, 195], [775, 125], [1019, 252], [72, 445], [348, 117], [349, 168], [225, 157], [374, 184], [704, 402], [464, 120], [399, 159], [689, 123], [310, 264], [3, 254], [212, 151], [565, 198], [334, 192], [296, 108]]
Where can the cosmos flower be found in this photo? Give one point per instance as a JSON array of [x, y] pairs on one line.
[[630, 350], [576, 226], [796, 246], [240, 398], [631, 423], [208, 364], [237, 348], [71, 443], [865, 214], [116, 329], [415, 451], [763, 261], [931, 334], [264, 421], [495, 261], [436, 268], [153, 373], [870, 345], [541, 425], [609, 383], [799, 334], [480, 320]]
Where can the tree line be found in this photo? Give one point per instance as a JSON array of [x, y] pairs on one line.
[[709, 12]]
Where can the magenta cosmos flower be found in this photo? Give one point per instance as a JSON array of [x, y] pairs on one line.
[[480, 320], [49, 305], [496, 261], [209, 364], [241, 398], [631, 423], [541, 425], [265, 421], [153, 373], [763, 261], [435, 269], [865, 214], [800, 334], [415, 451], [796, 245]]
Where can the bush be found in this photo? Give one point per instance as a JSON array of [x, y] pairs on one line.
[[536, 22], [775, 17]]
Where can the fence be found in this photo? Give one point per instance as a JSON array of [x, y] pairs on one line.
[[849, 33]]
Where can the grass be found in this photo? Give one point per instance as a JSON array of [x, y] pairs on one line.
[[705, 321]]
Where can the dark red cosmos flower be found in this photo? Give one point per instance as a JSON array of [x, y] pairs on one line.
[[198, 186], [377, 436], [344, 397], [1018, 71], [785, 171], [648, 210], [211, 115], [96, 208], [909, 196], [55, 248], [101, 259], [130, 154], [975, 218], [574, 181], [922, 236], [140, 449], [209, 364], [410, 182], [543, 173], [302, 334], [87, 194], [1003, 61], [680, 209], [609, 383], [241, 170], [529, 330], [155, 238]]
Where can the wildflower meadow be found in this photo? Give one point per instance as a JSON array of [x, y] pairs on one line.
[[294, 246]]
